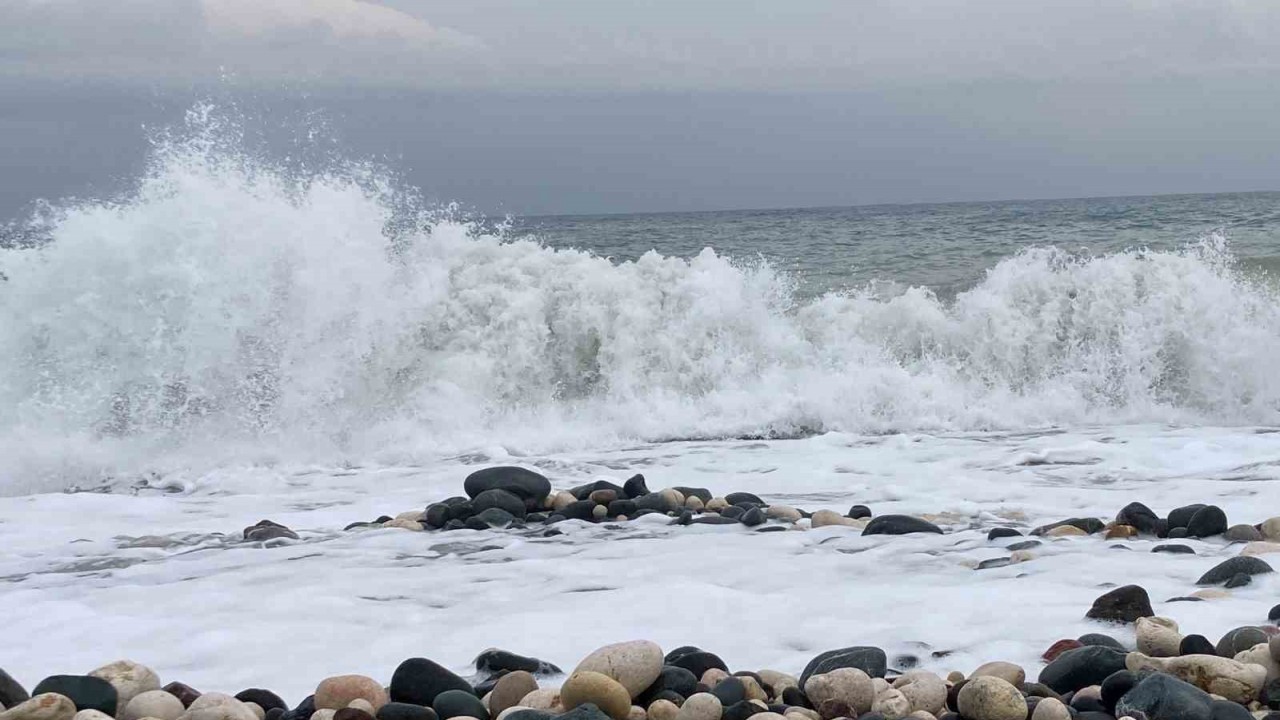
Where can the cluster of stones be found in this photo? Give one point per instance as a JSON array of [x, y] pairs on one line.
[[1169, 677]]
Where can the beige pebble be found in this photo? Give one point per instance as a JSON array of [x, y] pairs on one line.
[[1021, 556], [511, 689], [1271, 528], [592, 687], [541, 699], [91, 715], [779, 681], [800, 712], [362, 704], [1211, 594], [1158, 636], [600, 512], [562, 500], [414, 515], [713, 676], [1051, 709], [634, 664], [700, 706], [991, 698], [841, 692], [1260, 548], [782, 512], [256, 709], [637, 713], [513, 709], [129, 678], [45, 706], [694, 503], [337, 692], [403, 524], [924, 690], [892, 704], [1007, 671], [663, 710], [1066, 531], [153, 703], [717, 504], [831, 518], [1235, 681], [754, 689]]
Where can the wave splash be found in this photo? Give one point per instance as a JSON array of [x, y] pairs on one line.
[[231, 311]]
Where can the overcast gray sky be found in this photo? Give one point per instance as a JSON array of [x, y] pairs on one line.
[[596, 106]]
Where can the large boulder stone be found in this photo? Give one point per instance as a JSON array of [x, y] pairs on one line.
[[529, 486]]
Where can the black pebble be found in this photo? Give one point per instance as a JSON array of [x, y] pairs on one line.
[[1088, 703], [695, 660], [419, 681], [1173, 548], [671, 679], [1115, 686], [1270, 695], [579, 510], [730, 691], [582, 491], [740, 710], [753, 517], [857, 512], [1228, 569], [495, 660], [500, 499], [1177, 533], [737, 498], [1274, 614], [702, 494], [622, 507], [1238, 580], [733, 511], [1139, 516], [459, 703], [869, 659], [1123, 605], [266, 699], [1179, 517], [1196, 645], [437, 515], [12, 693], [274, 714], [1024, 545], [529, 486], [634, 487], [1226, 710], [87, 692], [1207, 522], [1101, 640], [795, 697], [899, 525], [718, 520], [1238, 640], [1002, 532], [1081, 667], [303, 711], [475, 523], [953, 695]]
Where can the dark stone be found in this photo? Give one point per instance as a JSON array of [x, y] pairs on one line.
[[858, 512], [715, 520], [382, 519], [771, 529], [1238, 580], [1101, 640], [953, 695], [730, 690], [459, 703], [753, 517], [185, 693], [670, 696], [634, 487], [529, 486], [1207, 522], [1139, 516], [530, 715], [1270, 695], [1024, 545], [733, 512], [418, 681], [702, 494], [949, 716], [1226, 710], [1002, 532], [1123, 605], [475, 523], [579, 510], [1186, 598], [11, 693], [536, 517], [460, 508], [1239, 640], [582, 492], [493, 517], [684, 518], [871, 716], [740, 710], [655, 501], [586, 711], [1092, 715], [899, 525], [1164, 697], [622, 507], [737, 498], [1176, 533], [455, 525], [303, 711], [1081, 667], [354, 525], [1274, 614], [500, 499], [405, 711], [1196, 645], [1181, 517], [268, 530], [870, 660], [995, 563], [795, 697], [87, 692], [350, 713], [274, 714], [1174, 548], [494, 660], [1039, 690], [1231, 567], [1089, 525], [1115, 686], [484, 687], [905, 662], [436, 516], [695, 660], [265, 698], [672, 679]]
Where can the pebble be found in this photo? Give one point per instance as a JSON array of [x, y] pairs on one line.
[[413, 525], [859, 512], [404, 711], [337, 692], [459, 704], [1207, 522], [1242, 534], [1140, 517], [1260, 548], [183, 692], [128, 678], [923, 690], [695, 660], [88, 693], [635, 664], [1174, 548], [44, 706], [1120, 532], [1122, 605], [351, 713], [154, 704], [663, 710], [12, 694], [899, 525], [1239, 639], [1007, 671], [1164, 697], [700, 706], [868, 659], [1081, 667], [991, 698], [1260, 655], [1050, 709], [265, 699], [1158, 636], [783, 512], [1003, 532], [218, 706], [528, 485], [1065, 531], [510, 690], [892, 704], [1232, 680], [839, 692], [419, 680], [545, 699], [266, 530], [1088, 526], [1229, 568], [600, 690], [91, 715]]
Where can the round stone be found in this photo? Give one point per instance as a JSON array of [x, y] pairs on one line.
[[417, 681], [218, 706], [635, 664], [1007, 671], [88, 693], [923, 690], [265, 699], [1122, 605], [991, 698], [183, 692], [1232, 680], [598, 689], [44, 706], [128, 678], [337, 692], [840, 692], [1158, 636], [154, 704], [700, 706], [1050, 709], [510, 690], [892, 704], [663, 710], [459, 704], [91, 715]]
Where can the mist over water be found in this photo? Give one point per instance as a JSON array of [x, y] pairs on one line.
[[233, 310]]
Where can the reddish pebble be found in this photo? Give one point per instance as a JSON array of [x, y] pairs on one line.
[[1058, 648]]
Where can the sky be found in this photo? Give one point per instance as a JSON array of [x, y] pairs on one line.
[[582, 106]]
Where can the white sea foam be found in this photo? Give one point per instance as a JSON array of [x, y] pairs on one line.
[[232, 312]]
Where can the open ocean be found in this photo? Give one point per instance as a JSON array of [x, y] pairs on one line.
[[231, 340]]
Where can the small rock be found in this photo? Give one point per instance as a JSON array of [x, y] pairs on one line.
[[1081, 667], [337, 692], [12, 694], [635, 665], [418, 680], [87, 692], [1207, 522], [827, 518], [1181, 517], [603, 497], [542, 700], [730, 690], [870, 660], [783, 512], [1123, 605], [1229, 568], [1058, 648], [991, 698], [1242, 534], [923, 690], [695, 660], [635, 486], [510, 690], [1174, 548], [266, 530], [353, 713], [997, 533], [264, 698], [1238, 580], [1050, 709], [663, 710], [91, 715], [840, 692], [1218, 675], [1120, 532], [1065, 531], [1102, 640], [459, 704], [218, 706], [528, 485], [403, 524], [700, 706], [859, 512], [1260, 548], [1163, 697], [185, 693], [1140, 517], [44, 706], [1195, 645], [1009, 672], [500, 499], [600, 690], [899, 525], [1238, 640], [1158, 636], [153, 704], [1088, 525], [891, 704]]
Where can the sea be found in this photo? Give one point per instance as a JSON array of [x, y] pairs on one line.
[[230, 339]]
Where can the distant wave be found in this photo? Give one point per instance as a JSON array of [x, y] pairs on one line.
[[230, 311]]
